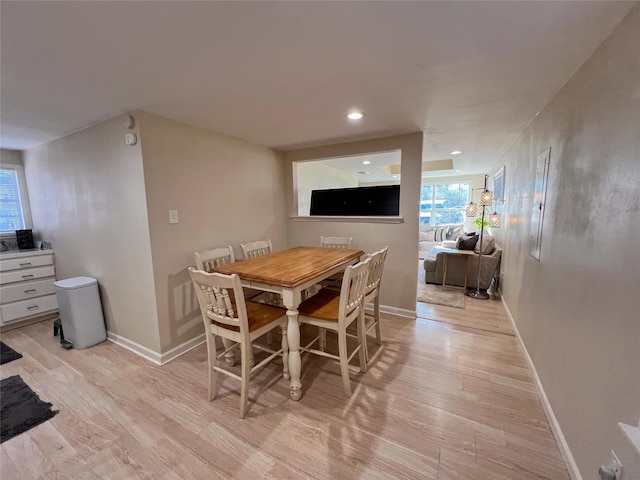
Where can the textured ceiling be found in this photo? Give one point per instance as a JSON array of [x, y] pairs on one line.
[[470, 75]]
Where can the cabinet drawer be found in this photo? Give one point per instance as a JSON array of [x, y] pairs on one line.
[[27, 308], [26, 262], [26, 290], [27, 274]]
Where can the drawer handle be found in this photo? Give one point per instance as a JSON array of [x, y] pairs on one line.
[[30, 291], [33, 307], [28, 264], [27, 276]]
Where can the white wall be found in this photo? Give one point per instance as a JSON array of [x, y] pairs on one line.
[[316, 176], [577, 308], [227, 192], [400, 275], [87, 196]]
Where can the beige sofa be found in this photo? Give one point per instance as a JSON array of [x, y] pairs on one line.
[[427, 240], [434, 268]]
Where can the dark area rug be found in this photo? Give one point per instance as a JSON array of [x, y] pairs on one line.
[[8, 354], [20, 408]]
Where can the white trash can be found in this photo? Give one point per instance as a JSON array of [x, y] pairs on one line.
[[80, 311]]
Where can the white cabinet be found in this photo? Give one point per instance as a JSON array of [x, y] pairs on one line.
[[26, 286]]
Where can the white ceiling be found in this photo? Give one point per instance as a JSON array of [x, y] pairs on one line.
[[470, 75], [379, 168]]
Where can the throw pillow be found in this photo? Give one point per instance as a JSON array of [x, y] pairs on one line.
[[427, 236], [455, 231], [488, 244], [467, 242], [441, 233]]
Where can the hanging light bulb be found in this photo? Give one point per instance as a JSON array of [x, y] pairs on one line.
[[494, 220], [471, 210], [486, 198]]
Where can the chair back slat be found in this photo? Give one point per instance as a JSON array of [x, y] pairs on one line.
[[216, 303], [207, 260], [256, 249], [335, 242], [376, 265], [352, 292]]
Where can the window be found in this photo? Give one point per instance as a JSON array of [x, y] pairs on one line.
[[352, 178], [14, 206], [443, 203]]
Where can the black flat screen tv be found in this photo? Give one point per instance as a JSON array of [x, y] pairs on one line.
[[383, 200]]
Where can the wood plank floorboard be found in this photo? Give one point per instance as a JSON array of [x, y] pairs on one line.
[[479, 315], [439, 401]]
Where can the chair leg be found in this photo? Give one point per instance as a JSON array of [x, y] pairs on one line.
[[322, 339], [252, 360], [211, 361], [344, 365], [362, 333], [229, 357], [285, 351], [247, 353], [376, 313], [362, 339]]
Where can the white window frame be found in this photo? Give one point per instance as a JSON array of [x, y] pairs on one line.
[[24, 198], [433, 209]]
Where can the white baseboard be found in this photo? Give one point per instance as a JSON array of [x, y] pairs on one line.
[[134, 347], [162, 358], [563, 446], [182, 349], [155, 357]]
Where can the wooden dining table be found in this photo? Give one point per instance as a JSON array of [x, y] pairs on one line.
[[288, 273]]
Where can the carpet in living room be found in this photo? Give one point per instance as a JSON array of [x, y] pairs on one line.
[[437, 294]]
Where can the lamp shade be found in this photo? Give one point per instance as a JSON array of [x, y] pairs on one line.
[[486, 198], [494, 220], [471, 210]]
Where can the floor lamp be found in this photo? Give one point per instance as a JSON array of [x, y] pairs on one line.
[[486, 199]]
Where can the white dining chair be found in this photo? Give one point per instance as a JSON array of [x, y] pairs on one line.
[[207, 260], [256, 249], [372, 295], [335, 312], [335, 242], [230, 316]]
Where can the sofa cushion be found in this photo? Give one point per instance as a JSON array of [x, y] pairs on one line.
[[441, 233], [488, 244], [467, 242], [427, 236], [455, 231]]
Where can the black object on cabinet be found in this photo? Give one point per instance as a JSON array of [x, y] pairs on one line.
[[383, 200], [25, 239]]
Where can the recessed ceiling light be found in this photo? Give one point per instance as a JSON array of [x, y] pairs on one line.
[[366, 162], [364, 172], [456, 152], [355, 115], [396, 176], [458, 171]]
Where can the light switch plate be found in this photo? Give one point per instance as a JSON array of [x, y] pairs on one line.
[[173, 216]]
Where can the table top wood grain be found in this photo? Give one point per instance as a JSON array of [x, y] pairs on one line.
[[292, 267]]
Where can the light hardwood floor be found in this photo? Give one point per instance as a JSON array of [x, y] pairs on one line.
[[479, 314], [438, 402]]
